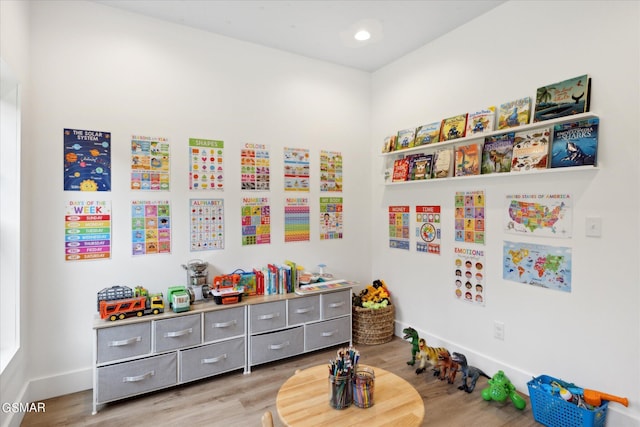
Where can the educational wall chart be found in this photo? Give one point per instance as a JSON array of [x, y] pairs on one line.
[[206, 164], [538, 265], [330, 171], [256, 221], [296, 219], [87, 160], [330, 218], [545, 215], [255, 167], [150, 227], [296, 169], [87, 230], [469, 275], [206, 224], [469, 216], [428, 229], [399, 227], [149, 163]]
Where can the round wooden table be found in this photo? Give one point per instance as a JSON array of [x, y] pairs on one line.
[[303, 400]]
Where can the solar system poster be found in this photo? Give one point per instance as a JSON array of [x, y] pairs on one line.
[[87, 160]]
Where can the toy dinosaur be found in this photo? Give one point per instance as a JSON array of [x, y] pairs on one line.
[[500, 388], [470, 372], [420, 351], [410, 333], [447, 367]]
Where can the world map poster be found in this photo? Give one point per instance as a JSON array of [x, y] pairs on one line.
[[544, 215], [538, 265]]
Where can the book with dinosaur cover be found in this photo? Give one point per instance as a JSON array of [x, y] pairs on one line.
[[406, 139], [443, 163], [467, 160], [400, 170], [496, 153], [531, 150], [563, 98], [420, 166], [481, 121], [453, 127], [428, 134], [514, 113], [575, 144], [389, 144]]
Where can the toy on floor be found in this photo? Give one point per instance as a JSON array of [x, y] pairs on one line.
[[447, 367], [421, 351], [468, 372], [500, 387]]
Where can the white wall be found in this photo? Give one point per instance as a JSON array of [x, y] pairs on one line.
[[592, 335]]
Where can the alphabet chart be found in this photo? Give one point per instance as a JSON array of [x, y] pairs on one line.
[[150, 227], [206, 171], [149, 163], [469, 217], [254, 167], [206, 224], [399, 227], [296, 219], [256, 221], [330, 218], [87, 230]]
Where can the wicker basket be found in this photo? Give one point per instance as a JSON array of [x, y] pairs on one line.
[[373, 326]]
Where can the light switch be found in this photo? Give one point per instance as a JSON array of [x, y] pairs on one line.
[[593, 227]]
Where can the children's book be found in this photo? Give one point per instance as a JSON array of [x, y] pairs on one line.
[[575, 144], [453, 127], [389, 144], [428, 134], [400, 170], [496, 153], [481, 121], [406, 139], [531, 150], [562, 99], [467, 160], [443, 163], [420, 167], [514, 113]]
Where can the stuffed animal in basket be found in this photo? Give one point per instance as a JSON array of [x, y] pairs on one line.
[[373, 296], [500, 388], [470, 372]]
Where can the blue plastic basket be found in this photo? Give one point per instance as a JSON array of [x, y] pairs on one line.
[[553, 411]]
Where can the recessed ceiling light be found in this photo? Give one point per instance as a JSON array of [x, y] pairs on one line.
[[362, 35]]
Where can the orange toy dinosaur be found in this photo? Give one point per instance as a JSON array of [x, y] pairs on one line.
[[447, 367]]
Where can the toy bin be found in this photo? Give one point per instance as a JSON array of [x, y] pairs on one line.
[[553, 411]]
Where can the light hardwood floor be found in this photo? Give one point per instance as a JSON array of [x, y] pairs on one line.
[[236, 399]]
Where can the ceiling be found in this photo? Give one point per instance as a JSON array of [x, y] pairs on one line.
[[321, 29]]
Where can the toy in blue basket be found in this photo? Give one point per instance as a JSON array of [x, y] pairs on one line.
[[500, 388]]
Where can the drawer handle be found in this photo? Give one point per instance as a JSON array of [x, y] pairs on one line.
[[139, 377], [304, 310], [225, 324], [178, 333], [268, 316], [329, 334], [336, 304], [279, 346], [124, 342], [213, 359]]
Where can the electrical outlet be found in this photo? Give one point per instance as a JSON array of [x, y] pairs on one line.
[[498, 330]]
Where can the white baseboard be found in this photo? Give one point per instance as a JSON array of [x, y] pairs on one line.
[[59, 385]]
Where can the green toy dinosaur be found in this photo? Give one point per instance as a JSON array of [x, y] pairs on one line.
[[500, 388], [410, 333]]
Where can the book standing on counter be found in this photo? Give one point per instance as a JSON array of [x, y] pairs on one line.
[[514, 113], [563, 98], [481, 121], [531, 150], [496, 153], [575, 144], [467, 160], [428, 134], [453, 127]]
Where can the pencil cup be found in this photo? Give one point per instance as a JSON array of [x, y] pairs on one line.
[[363, 385], [340, 390]]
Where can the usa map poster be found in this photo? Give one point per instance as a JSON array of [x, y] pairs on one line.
[[206, 164], [149, 163], [330, 171], [87, 160], [428, 229], [538, 265], [87, 230], [330, 218], [296, 169], [545, 215], [296, 219], [256, 221], [399, 227], [206, 222], [255, 167], [469, 275], [469, 216], [150, 227]]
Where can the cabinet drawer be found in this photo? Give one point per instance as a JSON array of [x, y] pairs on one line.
[[136, 377], [277, 345], [178, 332], [302, 310], [121, 342], [211, 359], [328, 333], [221, 324], [268, 316], [336, 304]]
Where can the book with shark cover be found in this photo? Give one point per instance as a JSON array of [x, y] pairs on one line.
[[575, 143]]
